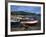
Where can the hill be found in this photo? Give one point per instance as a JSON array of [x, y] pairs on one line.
[[22, 13]]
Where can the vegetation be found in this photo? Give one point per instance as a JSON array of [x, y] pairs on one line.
[[23, 13]]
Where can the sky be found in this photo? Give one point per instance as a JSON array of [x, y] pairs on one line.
[[33, 9]]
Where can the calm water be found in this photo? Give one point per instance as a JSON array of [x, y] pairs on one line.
[[17, 24]]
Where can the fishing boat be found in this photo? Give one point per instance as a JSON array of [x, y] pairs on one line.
[[29, 21]]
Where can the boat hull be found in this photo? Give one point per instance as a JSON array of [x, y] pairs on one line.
[[29, 23]]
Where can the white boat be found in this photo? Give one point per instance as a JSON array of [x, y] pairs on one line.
[[30, 22]]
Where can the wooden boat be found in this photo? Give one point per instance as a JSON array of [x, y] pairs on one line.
[[30, 23]]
